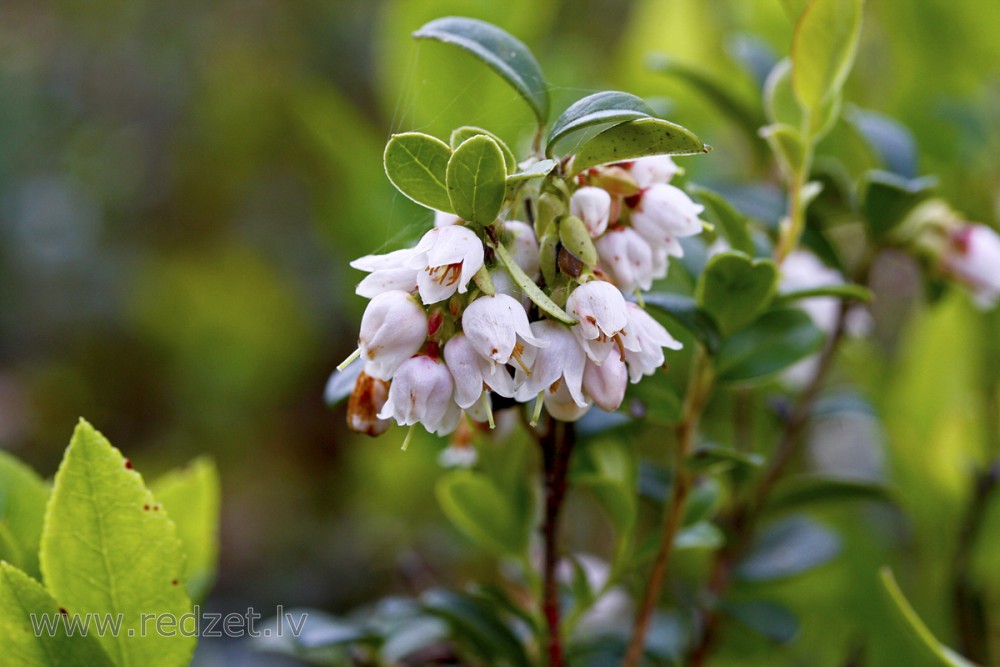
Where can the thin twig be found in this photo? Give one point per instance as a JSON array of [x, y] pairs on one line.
[[557, 447]]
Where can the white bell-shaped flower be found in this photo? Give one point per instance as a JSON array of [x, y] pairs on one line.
[[562, 405], [974, 258], [473, 374], [388, 272], [605, 384], [651, 337], [654, 169], [602, 318], [629, 259], [558, 363], [593, 206], [664, 214], [422, 392], [523, 246], [393, 329], [497, 328], [446, 259], [442, 219]]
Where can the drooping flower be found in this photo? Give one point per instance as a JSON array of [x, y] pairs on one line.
[[605, 384], [650, 337], [473, 373], [422, 391], [562, 405], [665, 214], [367, 399], [393, 329], [387, 272], [497, 328], [973, 256], [602, 318], [557, 363], [593, 206], [653, 169], [446, 259], [524, 247], [629, 259]]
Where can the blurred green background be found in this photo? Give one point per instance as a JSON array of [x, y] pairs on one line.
[[182, 185]]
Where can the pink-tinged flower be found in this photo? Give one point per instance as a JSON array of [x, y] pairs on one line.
[[393, 329], [974, 258], [593, 206], [629, 259], [557, 364], [473, 374], [422, 392], [497, 328], [446, 259], [388, 272], [664, 214], [602, 318], [653, 169], [523, 246], [605, 384], [647, 356]]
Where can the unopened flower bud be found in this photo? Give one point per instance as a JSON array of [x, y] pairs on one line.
[[605, 384], [593, 206], [393, 329], [665, 213], [629, 259]]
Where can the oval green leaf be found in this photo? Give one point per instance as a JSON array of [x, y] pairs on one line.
[[539, 169], [477, 180], [417, 164], [735, 289], [685, 311], [787, 548], [609, 106], [483, 512], [502, 52], [460, 134], [768, 619], [823, 49], [635, 139], [813, 489], [889, 198], [774, 342], [848, 292], [735, 225]]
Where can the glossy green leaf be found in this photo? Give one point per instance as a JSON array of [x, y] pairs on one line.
[[459, 135], [576, 239], [701, 535], [635, 139], [769, 619], [23, 495], [711, 457], [600, 108], [101, 520], [780, 105], [915, 627], [477, 180], [787, 147], [24, 605], [734, 224], [823, 49], [684, 311], [787, 548], [478, 625], [501, 51], [734, 289], [771, 344], [417, 165], [530, 289], [540, 169], [846, 291], [888, 199], [192, 499], [606, 468], [341, 384], [814, 489], [483, 512]]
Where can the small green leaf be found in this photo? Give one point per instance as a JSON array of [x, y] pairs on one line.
[[477, 180], [734, 224], [417, 164], [684, 310], [771, 344], [477, 624], [501, 51], [787, 548], [787, 147], [888, 199], [25, 603], [101, 520], [483, 512], [576, 239], [23, 495], [703, 501], [734, 289], [460, 134], [600, 108], [780, 105], [891, 140], [530, 289], [701, 535], [341, 384], [823, 50], [606, 468], [769, 619], [711, 457], [811, 489], [915, 627], [846, 291], [635, 139], [539, 169], [191, 498]]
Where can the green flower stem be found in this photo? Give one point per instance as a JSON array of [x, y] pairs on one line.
[[699, 389], [794, 226]]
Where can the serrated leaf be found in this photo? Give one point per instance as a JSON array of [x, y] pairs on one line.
[[24, 605], [635, 139], [846, 291], [787, 548], [734, 289], [23, 495], [479, 625], [191, 497], [889, 198], [811, 489], [530, 289], [684, 310], [769, 619], [823, 49], [501, 51], [483, 512], [539, 169], [477, 180], [101, 520], [341, 384], [417, 165], [460, 134], [606, 107], [774, 342], [735, 225]]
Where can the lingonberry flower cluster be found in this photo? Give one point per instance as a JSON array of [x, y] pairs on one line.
[[452, 330]]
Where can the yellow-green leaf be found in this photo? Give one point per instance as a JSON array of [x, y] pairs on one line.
[[23, 495], [823, 49]]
